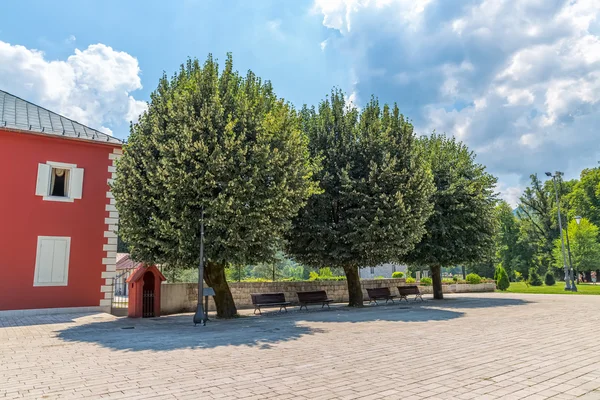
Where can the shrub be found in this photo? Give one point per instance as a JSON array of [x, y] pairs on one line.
[[549, 279], [426, 281], [410, 280], [313, 276], [502, 282], [379, 277], [534, 278], [455, 278], [518, 276], [448, 281], [473, 279], [398, 274]]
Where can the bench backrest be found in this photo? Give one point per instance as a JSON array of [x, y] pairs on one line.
[[411, 289], [317, 295], [267, 298], [376, 292]]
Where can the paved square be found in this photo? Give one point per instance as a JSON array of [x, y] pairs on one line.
[[484, 346]]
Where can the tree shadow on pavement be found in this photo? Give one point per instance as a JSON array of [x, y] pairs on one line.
[[178, 332], [262, 332]]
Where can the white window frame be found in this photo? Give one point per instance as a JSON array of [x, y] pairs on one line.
[[61, 165], [65, 282]]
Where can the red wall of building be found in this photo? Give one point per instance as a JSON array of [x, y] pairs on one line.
[[26, 216]]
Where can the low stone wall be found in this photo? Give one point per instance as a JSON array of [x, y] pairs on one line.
[[183, 297]]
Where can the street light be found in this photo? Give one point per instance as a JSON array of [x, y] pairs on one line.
[[578, 219], [200, 316], [557, 174]]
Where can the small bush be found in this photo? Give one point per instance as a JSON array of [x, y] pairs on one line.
[[534, 278], [426, 281], [398, 274], [502, 281], [455, 278], [518, 276], [473, 279], [448, 281], [411, 280], [549, 279], [379, 277]]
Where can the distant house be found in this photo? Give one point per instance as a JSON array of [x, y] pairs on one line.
[[57, 237], [385, 270]]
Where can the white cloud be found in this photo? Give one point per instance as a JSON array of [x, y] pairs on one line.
[[517, 80], [92, 86], [274, 28], [323, 45]]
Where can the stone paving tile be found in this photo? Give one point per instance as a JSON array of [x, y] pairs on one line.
[[483, 346]]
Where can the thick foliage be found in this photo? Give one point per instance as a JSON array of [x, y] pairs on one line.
[[375, 189], [462, 226], [215, 140]]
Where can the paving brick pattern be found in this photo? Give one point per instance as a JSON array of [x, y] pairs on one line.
[[483, 346]]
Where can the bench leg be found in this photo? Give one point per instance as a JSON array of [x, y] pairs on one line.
[[302, 305], [418, 296], [283, 308], [257, 309]]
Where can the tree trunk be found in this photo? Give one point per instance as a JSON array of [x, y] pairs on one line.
[[354, 289], [214, 276], [436, 278]]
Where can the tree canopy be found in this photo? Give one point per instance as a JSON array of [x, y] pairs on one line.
[[585, 249], [375, 189], [214, 140], [462, 226]]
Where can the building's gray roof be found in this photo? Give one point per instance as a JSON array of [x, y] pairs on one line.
[[22, 115]]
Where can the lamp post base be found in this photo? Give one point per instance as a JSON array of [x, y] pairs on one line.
[[199, 316]]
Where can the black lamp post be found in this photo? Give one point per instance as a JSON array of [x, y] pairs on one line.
[[200, 316], [557, 174]]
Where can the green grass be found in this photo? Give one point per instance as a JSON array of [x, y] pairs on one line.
[[558, 288]]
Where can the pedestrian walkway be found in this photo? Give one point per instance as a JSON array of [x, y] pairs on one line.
[[480, 346]]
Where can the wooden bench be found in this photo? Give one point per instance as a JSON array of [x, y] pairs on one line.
[[409, 290], [380, 294], [316, 297], [269, 300]]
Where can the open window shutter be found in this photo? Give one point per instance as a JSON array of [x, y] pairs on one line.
[[43, 180], [76, 183]]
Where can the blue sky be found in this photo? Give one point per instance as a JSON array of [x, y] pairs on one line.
[[517, 80]]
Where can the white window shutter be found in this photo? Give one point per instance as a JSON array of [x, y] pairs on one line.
[[52, 261], [43, 180], [76, 183]]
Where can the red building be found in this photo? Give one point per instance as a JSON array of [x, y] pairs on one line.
[[57, 236]]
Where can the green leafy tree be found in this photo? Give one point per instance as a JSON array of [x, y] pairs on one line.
[[585, 196], [462, 226], [508, 247], [585, 249], [534, 278], [376, 190], [214, 140], [501, 277]]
